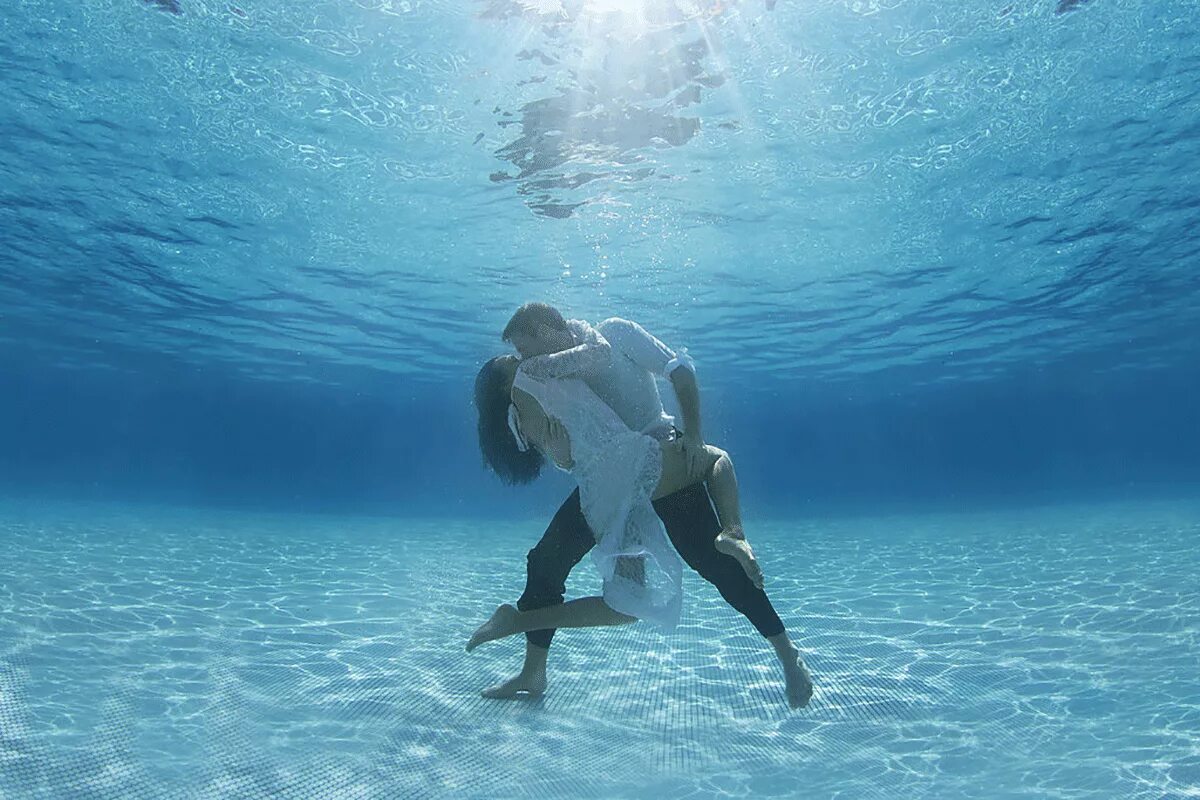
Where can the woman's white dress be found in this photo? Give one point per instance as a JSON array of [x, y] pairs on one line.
[[617, 470]]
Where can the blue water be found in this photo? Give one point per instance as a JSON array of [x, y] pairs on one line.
[[937, 264], [152, 652]]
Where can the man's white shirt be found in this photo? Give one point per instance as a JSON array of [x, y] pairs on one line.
[[619, 360]]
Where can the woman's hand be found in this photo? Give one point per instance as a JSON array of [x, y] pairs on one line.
[[554, 433]]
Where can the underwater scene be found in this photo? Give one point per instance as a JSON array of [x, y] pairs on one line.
[[599, 399]]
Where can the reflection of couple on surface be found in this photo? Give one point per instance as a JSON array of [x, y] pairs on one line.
[[585, 397]]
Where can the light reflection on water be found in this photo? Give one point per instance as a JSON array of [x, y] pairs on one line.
[[315, 191]]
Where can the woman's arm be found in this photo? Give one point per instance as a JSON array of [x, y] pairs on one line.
[[592, 353], [541, 430]]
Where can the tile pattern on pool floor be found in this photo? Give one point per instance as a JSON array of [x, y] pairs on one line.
[[148, 652]]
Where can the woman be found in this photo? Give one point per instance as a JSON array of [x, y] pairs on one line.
[[620, 472]]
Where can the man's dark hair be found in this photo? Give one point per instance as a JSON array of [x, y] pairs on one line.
[[493, 392], [526, 319]]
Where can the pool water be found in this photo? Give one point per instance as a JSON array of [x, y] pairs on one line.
[[935, 261], [160, 652]]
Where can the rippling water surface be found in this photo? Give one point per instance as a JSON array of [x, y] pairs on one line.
[[308, 190]]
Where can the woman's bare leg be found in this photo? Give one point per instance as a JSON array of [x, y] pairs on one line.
[[723, 488], [585, 612]]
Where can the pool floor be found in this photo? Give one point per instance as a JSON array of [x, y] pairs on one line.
[[156, 652]]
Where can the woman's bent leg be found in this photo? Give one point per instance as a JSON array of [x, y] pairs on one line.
[[723, 488], [585, 612], [721, 483]]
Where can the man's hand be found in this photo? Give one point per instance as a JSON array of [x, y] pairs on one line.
[[688, 393], [695, 455]]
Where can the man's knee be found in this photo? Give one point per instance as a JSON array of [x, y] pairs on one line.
[[544, 586], [549, 563]]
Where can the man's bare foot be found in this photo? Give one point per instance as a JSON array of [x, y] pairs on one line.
[[532, 686], [502, 623], [797, 680], [732, 542]]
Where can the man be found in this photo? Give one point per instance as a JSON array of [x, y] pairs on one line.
[[619, 360]]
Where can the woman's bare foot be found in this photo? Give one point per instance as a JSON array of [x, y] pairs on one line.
[[797, 680], [502, 623], [732, 542], [522, 685]]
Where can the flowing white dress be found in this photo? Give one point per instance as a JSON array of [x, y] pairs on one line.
[[617, 470]]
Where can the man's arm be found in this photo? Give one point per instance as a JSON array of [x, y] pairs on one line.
[[648, 352], [683, 380], [688, 392]]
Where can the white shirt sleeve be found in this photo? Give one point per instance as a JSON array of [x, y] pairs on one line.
[[643, 349], [592, 352]]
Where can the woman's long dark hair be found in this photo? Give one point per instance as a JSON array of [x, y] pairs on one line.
[[493, 391]]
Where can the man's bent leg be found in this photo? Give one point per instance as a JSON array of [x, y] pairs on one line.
[[566, 541], [692, 524]]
